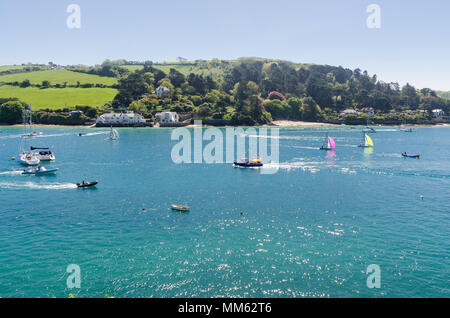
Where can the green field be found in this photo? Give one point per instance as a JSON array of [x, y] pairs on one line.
[[55, 98], [58, 77], [12, 67]]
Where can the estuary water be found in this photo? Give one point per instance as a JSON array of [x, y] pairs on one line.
[[309, 230]]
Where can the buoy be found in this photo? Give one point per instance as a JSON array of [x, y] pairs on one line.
[[13, 158], [143, 209]]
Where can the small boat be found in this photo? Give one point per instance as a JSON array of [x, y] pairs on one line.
[[245, 163], [28, 158], [405, 155], [366, 141], [370, 130], [329, 144], [85, 184], [113, 134], [39, 171], [182, 208]]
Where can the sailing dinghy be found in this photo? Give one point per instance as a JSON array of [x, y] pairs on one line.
[[329, 144], [366, 141]]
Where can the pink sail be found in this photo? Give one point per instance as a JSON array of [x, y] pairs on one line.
[[332, 143]]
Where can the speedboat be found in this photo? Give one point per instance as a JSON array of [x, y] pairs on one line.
[[85, 184], [181, 208], [39, 171], [255, 162], [405, 155], [370, 130]]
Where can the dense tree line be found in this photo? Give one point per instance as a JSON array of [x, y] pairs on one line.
[[257, 91]]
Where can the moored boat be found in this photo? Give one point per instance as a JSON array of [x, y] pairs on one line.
[[181, 208], [45, 154]]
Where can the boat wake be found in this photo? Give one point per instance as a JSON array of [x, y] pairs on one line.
[[11, 173], [301, 164], [95, 133], [36, 186]]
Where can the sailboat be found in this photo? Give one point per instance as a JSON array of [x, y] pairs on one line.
[[113, 134], [27, 157], [366, 141], [329, 143]]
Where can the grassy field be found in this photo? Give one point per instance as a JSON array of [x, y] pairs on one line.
[[55, 98], [58, 77], [11, 67]]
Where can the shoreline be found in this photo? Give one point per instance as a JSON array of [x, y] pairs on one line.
[[276, 123]]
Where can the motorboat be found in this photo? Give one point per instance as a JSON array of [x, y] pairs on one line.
[[405, 155], [85, 184], [245, 163], [39, 171]]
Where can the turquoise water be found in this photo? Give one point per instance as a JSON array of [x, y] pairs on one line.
[[311, 229]]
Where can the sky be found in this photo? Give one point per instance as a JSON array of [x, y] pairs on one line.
[[412, 44]]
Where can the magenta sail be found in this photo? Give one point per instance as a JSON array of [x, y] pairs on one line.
[[331, 143]]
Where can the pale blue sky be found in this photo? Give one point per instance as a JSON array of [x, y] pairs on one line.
[[411, 46]]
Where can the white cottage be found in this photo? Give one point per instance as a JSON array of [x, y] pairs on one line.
[[127, 118], [167, 117], [438, 112], [162, 90]]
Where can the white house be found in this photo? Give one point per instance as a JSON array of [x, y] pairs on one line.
[[162, 90], [127, 118], [438, 112], [167, 117], [348, 111]]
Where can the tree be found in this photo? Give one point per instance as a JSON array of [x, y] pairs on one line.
[[11, 112], [310, 111], [176, 78], [25, 83]]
